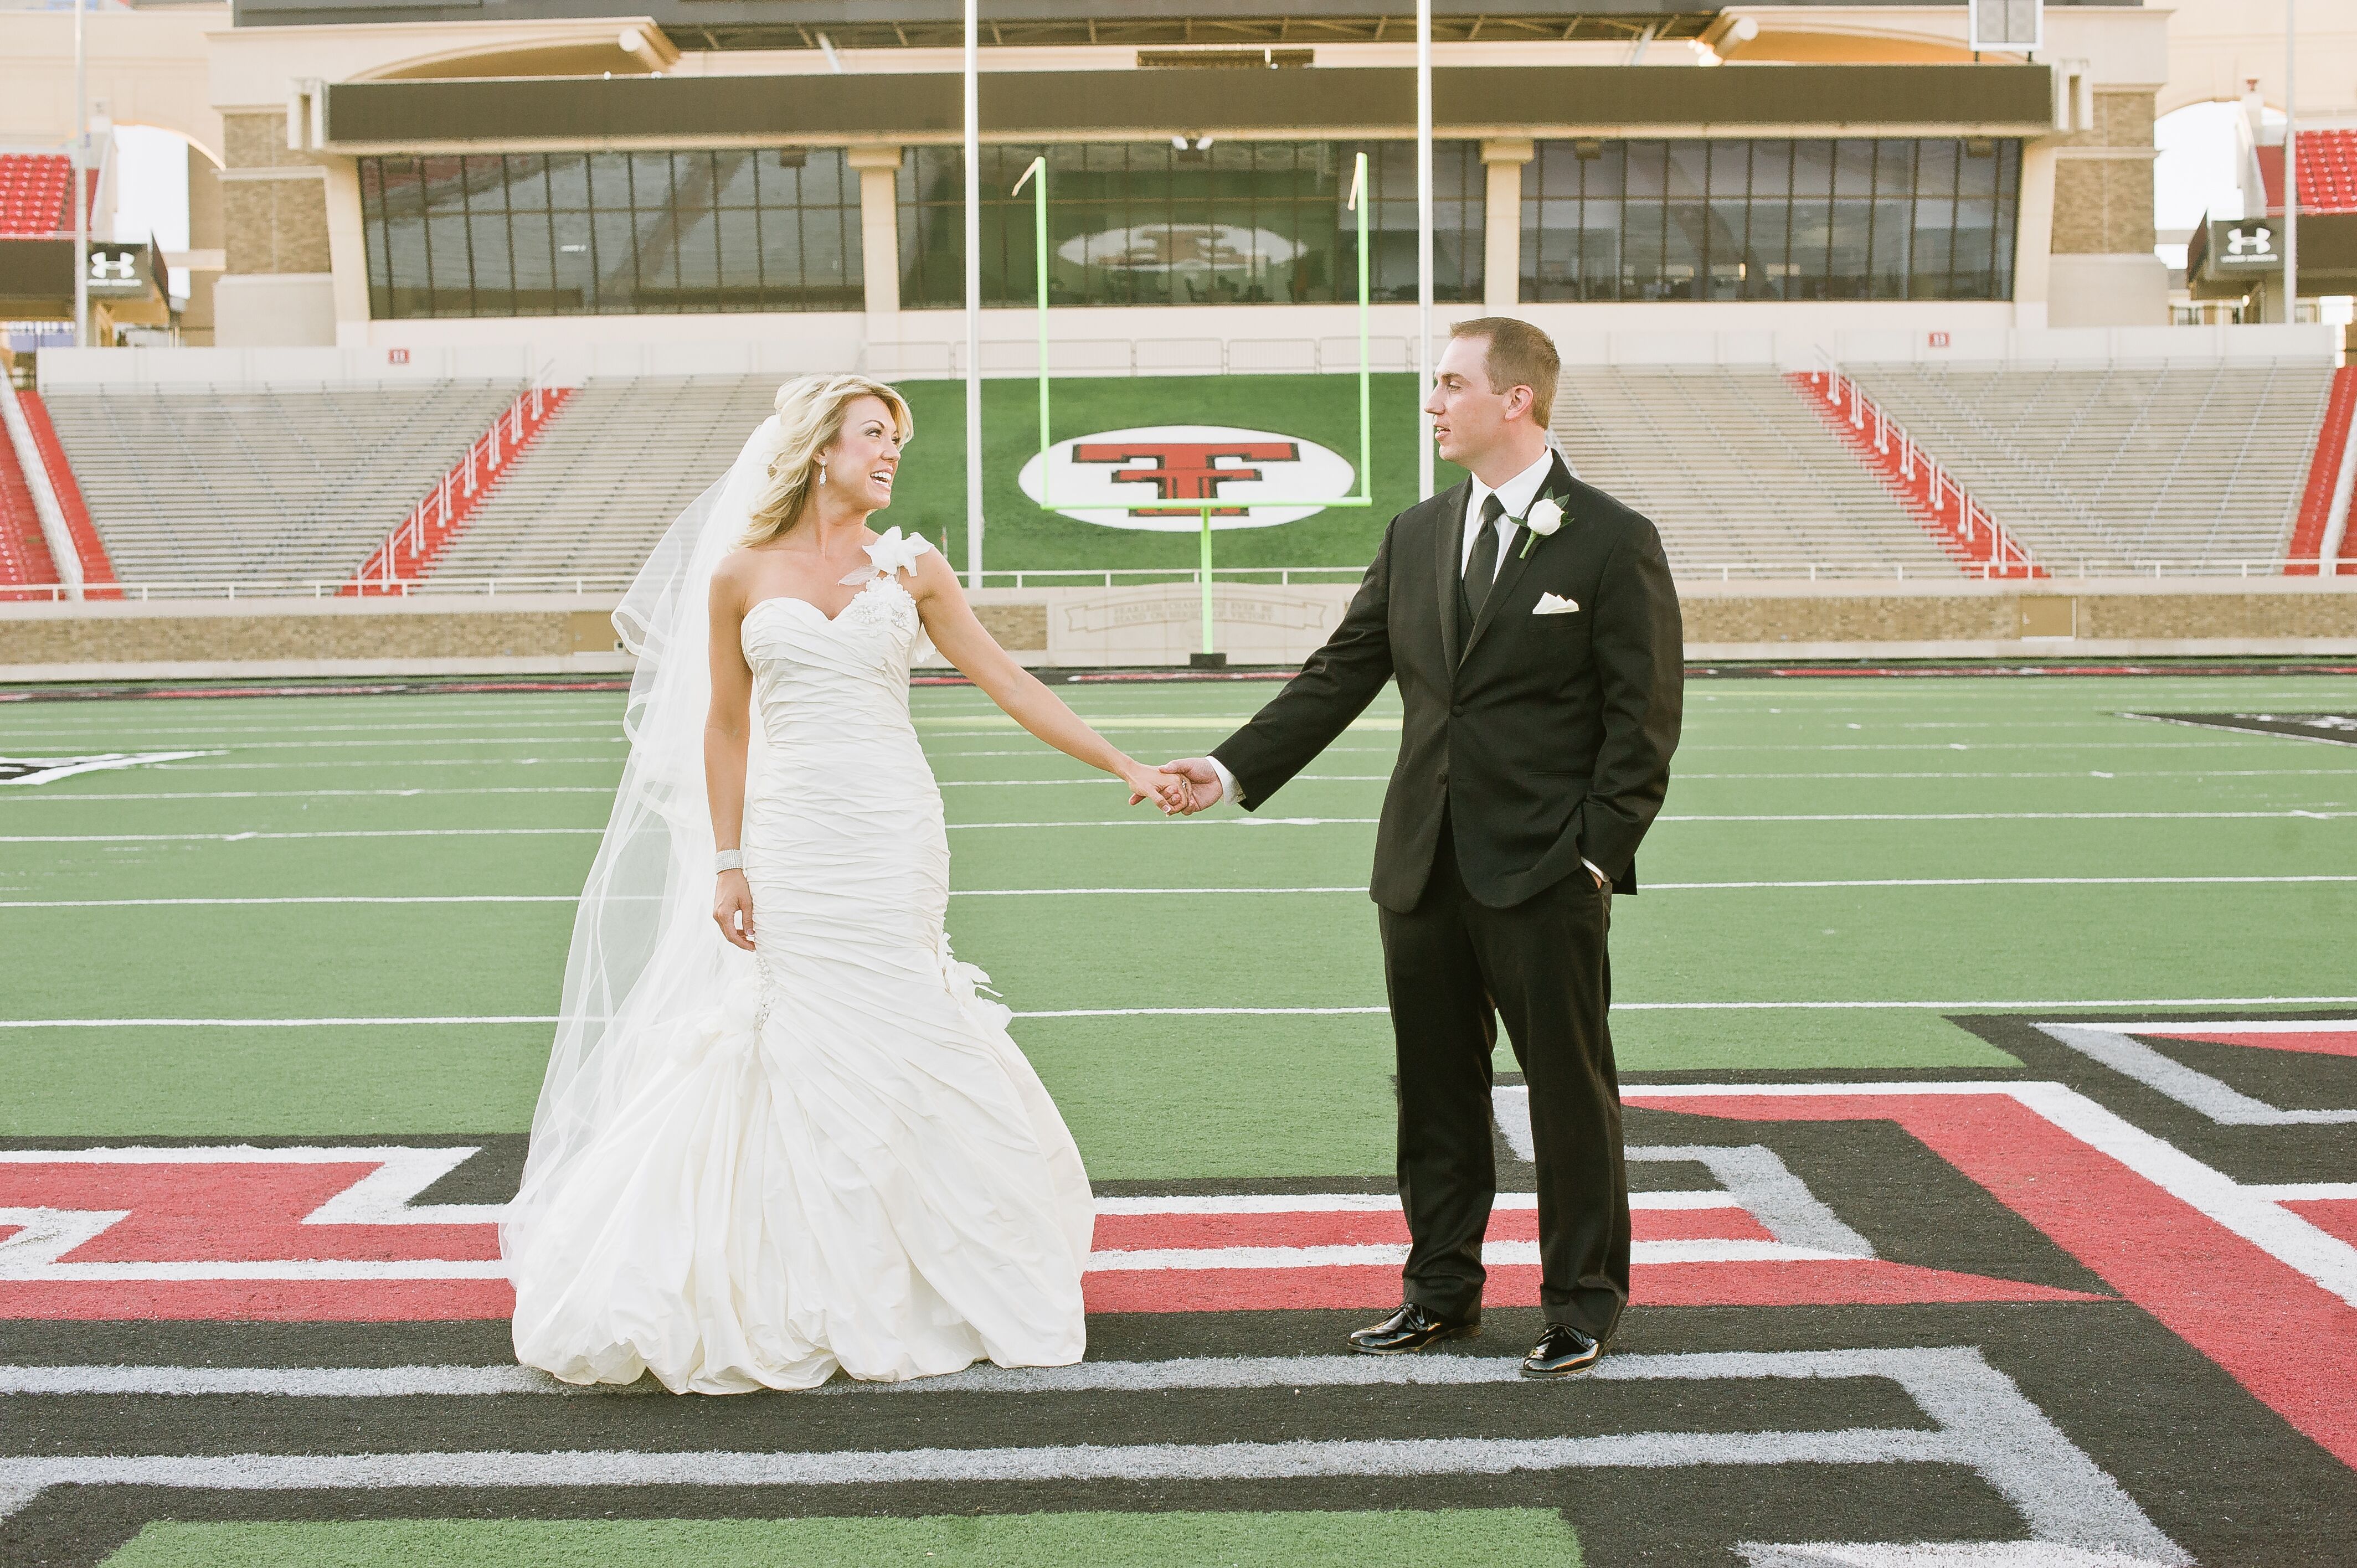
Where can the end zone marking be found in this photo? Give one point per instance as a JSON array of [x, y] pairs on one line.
[[2158, 1226], [2110, 1044], [1981, 1420]]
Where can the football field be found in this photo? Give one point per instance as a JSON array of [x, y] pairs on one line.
[[1989, 1041]]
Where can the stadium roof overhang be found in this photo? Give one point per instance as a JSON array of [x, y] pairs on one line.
[[1112, 105], [939, 23]]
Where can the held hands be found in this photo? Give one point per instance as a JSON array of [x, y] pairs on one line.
[[732, 909], [1202, 779], [1166, 788]]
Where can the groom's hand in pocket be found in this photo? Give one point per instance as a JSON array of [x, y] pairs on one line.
[[1202, 781]]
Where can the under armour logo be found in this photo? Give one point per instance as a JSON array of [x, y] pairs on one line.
[[2251, 242], [119, 268]]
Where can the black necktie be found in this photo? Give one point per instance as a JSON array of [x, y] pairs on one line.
[[1481, 565]]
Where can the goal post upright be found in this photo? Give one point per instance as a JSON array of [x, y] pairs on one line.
[[1359, 200]]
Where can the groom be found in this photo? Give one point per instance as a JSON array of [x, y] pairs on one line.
[[1530, 622]]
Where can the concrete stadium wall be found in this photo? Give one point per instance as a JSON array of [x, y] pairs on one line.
[[1160, 623]]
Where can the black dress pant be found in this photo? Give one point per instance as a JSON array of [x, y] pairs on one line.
[[1452, 967]]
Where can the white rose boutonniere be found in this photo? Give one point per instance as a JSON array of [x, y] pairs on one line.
[[1543, 517]]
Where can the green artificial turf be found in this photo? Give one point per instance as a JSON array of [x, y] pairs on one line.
[[1499, 1537], [1974, 780], [930, 495]]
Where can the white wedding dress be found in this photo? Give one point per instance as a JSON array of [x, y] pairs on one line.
[[842, 1160]]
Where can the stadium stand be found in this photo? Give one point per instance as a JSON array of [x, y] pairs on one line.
[[33, 189], [189, 485], [2128, 469], [1739, 473], [25, 558], [609, 474]]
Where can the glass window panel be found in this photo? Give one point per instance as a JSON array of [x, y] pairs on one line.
[[1642, 169], [1641, 250], [1853, 168], [1894, 169], [1931, 249], [1686, 169], [531, 253], [527, 183], [1935, 167], [650, 176], [1812, 169], [573, 271], [1730, 169], [740, 183], [738, 259], [613, 247], [1846, 268], [1729, 260], [494, 269], [449, 284], [1976, 174], [1685, 249], [609, 182], [1810, 249], [1887, 259], [1768, 270], [568, 182], [1771, 169]]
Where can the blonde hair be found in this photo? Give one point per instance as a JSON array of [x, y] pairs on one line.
[[811, 411]]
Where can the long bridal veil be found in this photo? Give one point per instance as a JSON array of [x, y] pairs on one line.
[[646, 964]]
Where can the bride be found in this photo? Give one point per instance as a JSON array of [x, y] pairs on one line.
[[806, 1142]]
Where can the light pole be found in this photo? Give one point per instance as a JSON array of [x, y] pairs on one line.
[[1422, 243], [80, 199], [2291, 160], [973, 294]]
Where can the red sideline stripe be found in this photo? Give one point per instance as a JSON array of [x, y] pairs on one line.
[[1149, 1232], [2279, 1334], [261, 1301], [2317, 1042], [2335, 1216], [1864, 1282], [228, 1213]]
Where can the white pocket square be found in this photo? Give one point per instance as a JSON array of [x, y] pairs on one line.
[[1549, 605]]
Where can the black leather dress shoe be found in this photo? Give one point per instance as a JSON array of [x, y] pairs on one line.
[[1411, 1328], [1562, 1352]]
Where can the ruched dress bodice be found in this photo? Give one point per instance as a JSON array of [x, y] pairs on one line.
[[855, 1167]]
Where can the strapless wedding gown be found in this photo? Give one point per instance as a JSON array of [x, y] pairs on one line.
[[852, 1167]]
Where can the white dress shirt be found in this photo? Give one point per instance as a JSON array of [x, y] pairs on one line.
[[1516, 496]]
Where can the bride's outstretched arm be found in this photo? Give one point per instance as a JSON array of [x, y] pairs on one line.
[[727, 727], [950, 622]]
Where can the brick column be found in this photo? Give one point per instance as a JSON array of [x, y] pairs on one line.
[[1501, 223], [879, 226]]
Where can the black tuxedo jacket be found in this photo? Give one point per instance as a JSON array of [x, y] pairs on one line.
[[1545, 739]]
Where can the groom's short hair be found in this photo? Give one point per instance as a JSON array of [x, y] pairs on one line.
[[1519, 356]]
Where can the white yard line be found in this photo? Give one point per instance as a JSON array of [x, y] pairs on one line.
[[1976, 1005], [1980, 1419]]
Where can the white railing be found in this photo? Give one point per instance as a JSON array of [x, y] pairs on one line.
[[1688, 572], [437, 513], [2009, 558]]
